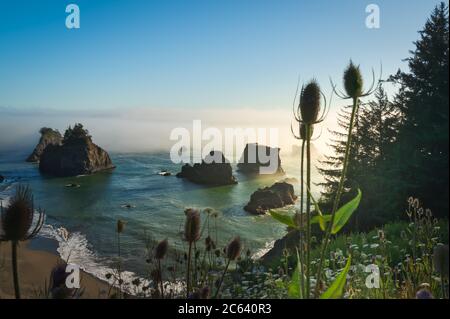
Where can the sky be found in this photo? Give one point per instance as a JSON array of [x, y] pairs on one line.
[[135, 65]]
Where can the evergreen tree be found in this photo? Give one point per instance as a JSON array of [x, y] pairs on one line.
[[422, 148]]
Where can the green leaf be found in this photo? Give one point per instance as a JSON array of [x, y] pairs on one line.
[[283, 218], [336, 290], [344, 213], [294, 290]]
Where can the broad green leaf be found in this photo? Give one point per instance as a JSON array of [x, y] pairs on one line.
[[294, 289], [336, 290], [283, 218], [344, 213]]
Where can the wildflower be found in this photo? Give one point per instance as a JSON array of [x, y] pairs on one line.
[[120, 226], [310, 102], [234, 248], [161, 249], [353, 82], [16, 224], [192, 225]]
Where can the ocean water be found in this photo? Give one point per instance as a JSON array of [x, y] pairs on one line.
[[83, 220]]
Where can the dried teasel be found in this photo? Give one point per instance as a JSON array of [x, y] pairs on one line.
[[192, 225], [120, 226], [18, 218], [161, 249], [310, 97], [234, 248], [353, 81]]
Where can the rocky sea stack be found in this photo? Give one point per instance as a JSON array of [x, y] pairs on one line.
[[48, 137], [76, 155], [215, 169], [276, 196], [251, 160]]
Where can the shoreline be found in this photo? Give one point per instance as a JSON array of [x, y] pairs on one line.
[[36, 259]]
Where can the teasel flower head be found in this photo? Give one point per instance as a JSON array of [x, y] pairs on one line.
[[234, 248], [354, 83], [19, 221], [424, 292], [192, 225], [209, 244], [441, 259], [310, 98], [161, 249], [310, 109], [120, 226]]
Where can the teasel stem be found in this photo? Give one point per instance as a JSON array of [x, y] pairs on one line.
[[14, 268], [119, 266], [188, 273], [308, 212], [337, 199], [302, 246], [222, 278], [161, 285]]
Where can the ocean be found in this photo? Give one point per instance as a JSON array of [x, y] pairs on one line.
[[82, 220]]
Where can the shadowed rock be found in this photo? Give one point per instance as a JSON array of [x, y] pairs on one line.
[[255, 157], [48, 137], [77, 155], [276, 196], [215, 169]]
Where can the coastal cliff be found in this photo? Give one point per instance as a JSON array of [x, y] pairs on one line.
[[48, 137], [76, 155], [252, 163]]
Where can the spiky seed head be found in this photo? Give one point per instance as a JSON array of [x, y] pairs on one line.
[[17, 217], [303, 131], [192, 225], [353, 81], [161, 249], [424, 293], [234, 248], [441, 259], [205, 292], [310, 102], [120, 226]]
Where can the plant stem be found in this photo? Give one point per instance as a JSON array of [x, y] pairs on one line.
[[308, 212], [337, 199], [221, 278], [14, 268], [301, 244], [188, 273], [119, 265], [160, 278]]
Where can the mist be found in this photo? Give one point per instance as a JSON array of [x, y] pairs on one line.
[[143, 129]]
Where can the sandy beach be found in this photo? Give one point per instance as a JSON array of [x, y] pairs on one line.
[[35, 267]]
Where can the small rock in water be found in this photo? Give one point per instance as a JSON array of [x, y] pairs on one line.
[[73, 185], [128, 206], [2, 178]]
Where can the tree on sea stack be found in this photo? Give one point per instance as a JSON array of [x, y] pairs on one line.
[[19, 222]]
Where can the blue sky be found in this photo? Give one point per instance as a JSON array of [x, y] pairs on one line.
[[191, 54]]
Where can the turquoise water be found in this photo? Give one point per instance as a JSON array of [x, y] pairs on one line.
[[89, 213]]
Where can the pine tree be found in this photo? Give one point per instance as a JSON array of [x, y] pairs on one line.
[[422, 148]]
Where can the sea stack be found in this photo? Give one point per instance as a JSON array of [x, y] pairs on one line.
[[255, 160], [48, 137], [76, 155], [276, 196], [215, 169]]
